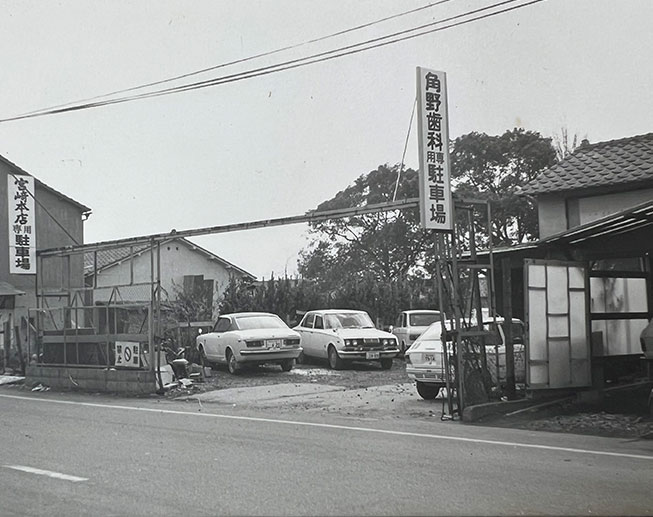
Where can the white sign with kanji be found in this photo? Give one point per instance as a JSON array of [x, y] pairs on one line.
[[127, 354], [436, 204], [22, 224]]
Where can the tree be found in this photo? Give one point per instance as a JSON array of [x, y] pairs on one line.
[[494, 168], [386, 245], [564, 145]]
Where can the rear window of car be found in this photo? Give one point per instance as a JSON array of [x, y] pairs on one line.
[[259, 322], [423, 320]]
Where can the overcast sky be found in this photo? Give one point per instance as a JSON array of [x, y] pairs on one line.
[[278, 145]]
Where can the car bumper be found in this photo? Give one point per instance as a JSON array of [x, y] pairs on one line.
[[272, 354], [434, 375], [363, 354]]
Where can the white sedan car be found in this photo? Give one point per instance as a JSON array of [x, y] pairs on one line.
[[252, 338], [410, 325], [425, 358], [344, 335]]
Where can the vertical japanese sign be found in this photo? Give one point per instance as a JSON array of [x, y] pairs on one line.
[[22, 225], [436, 205]]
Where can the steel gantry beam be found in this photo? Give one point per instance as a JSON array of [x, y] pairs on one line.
[[309, 217]]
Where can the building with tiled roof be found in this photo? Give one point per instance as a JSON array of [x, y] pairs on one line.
[[183, 265], [595, 181]]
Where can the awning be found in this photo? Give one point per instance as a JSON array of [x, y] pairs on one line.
[[6, 289]]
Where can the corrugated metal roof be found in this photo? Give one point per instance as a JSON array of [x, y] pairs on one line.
[[603, 164], [6, 289], [110, 257]]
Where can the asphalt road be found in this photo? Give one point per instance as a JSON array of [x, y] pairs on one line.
[[75, 454]]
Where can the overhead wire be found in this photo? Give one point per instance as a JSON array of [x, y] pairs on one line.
[[296, 63], [249, 58]]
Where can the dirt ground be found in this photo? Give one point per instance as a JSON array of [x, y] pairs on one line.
[[366, 391]]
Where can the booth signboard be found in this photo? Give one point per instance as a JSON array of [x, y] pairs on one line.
[[436, 204], [22, 224]]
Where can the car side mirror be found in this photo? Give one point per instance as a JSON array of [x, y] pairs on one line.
[[199, 331]]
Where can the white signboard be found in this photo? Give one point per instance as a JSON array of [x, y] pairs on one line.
[[22, 225], [127, 354], [436, 205]]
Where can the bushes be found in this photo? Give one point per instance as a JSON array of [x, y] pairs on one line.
[[291, 297]]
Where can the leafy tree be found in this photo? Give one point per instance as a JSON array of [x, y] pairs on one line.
[[385, 245], [368, 261], [494, 168]]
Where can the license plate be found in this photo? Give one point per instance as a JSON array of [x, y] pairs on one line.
[[429, 358], [372, 355], [274, 343]]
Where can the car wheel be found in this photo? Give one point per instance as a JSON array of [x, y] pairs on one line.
[[232, 364], [286, 365], [386, 364], [335, 363], [428, 391]]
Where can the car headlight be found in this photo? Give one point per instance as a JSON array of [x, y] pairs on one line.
[[351, 342]]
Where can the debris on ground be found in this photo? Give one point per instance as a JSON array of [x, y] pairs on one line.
[[11, 379], [41, 387], [600, 423]]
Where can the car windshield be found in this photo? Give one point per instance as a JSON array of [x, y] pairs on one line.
[[422, 319], [348, 320], [260, 322]]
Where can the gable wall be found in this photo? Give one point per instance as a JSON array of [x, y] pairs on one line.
[[177, 261], [557, 214], [48, 235]]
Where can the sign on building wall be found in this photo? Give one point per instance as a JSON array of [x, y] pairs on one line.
[[22, 225], [436, 205]]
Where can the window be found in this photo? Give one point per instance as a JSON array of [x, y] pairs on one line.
[[222, 325], [318, 322], [265, 321], [423, 319], [308, 320]]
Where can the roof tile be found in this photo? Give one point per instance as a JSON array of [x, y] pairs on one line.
[[623, 161]]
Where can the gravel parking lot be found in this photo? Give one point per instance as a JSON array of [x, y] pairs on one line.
[[365, 391]]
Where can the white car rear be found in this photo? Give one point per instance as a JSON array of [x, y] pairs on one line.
[[425, 362]]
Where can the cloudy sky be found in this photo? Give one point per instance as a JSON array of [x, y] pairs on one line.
[[278, 145]]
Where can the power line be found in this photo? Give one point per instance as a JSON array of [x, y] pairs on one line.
[[243, 60], [296, 63]]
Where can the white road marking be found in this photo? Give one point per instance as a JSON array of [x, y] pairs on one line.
[[49, 473], [341, 427]]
